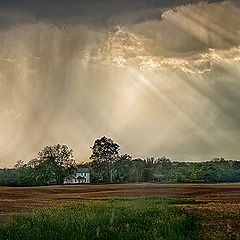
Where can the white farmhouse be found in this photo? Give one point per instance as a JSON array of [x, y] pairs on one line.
[[82, 175]]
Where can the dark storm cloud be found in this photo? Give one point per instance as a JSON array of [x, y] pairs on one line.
[[97, 12]]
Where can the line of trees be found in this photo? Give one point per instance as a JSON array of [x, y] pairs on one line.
[[126, 169], [54, 163], [108, 165], [51, 166]]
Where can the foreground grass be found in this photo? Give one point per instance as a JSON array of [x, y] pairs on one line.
[[122, 218]]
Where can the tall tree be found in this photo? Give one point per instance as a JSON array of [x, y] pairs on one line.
[[54, 163], [104, 153]]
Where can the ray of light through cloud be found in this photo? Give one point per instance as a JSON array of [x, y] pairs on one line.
[[159, 81]]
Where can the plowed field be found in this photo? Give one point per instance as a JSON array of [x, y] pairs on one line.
[[218, 205]]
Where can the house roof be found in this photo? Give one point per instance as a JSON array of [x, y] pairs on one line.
[[82, 170]]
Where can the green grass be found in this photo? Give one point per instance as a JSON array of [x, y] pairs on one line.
[[125, 218]]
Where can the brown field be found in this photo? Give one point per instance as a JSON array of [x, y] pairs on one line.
[[217, 204]]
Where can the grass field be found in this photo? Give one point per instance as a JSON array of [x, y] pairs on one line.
[[121, 218], [122, 211]]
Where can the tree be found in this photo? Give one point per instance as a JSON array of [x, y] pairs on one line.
[[163, 166], [181, 171], [205, 171], [8, 177], [104, 154], [53, 164], [26, 176], [137, 170], [122, 168]]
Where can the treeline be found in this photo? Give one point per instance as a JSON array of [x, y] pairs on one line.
[[108, 166], [163, 170], [51, 166], [54, 163]]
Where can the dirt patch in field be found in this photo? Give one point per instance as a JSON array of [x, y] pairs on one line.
[[218, 204]]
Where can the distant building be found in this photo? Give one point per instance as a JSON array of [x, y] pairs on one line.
[[82, 175]]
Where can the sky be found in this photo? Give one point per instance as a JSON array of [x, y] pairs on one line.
[[158, 77]]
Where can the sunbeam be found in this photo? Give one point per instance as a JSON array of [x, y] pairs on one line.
[[163, 80]]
